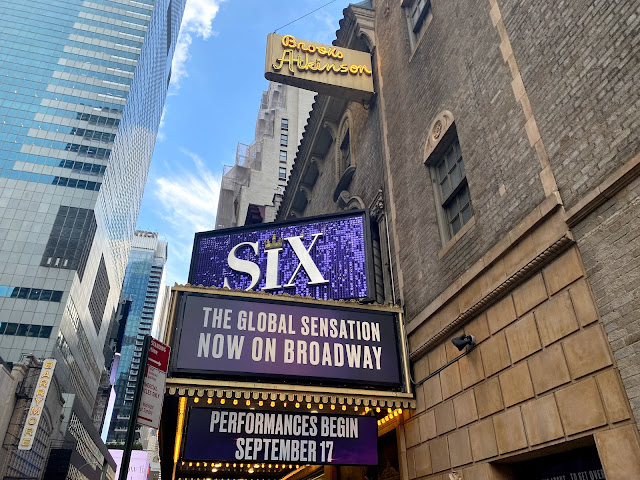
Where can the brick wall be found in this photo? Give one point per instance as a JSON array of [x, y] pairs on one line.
[[609, 240], [579, 63], [368, 179], [457, 66]]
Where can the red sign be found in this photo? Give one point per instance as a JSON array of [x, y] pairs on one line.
[[159, 355], [154, 381]]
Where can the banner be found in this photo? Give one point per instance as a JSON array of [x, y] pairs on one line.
[[310, 342], [280, 437], [37, 404]]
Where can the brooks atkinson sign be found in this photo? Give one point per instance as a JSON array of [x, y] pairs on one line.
[[327, 69], [310, 342]]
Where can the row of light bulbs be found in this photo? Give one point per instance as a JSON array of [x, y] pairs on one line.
[[235, 465], [390, 416], [309, 406]]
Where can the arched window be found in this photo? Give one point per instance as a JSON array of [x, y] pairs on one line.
[[345, 151], [443, 156]]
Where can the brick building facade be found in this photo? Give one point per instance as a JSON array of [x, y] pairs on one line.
[[525, 237]]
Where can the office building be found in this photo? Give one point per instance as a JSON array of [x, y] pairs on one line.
[[81, 95], [144, 287], [252, 188]]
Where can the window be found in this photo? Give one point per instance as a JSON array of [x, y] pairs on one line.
[[418, 17], [345, 152], [284, 140], [452, 189], [282, 173], [284, 124], [283, 156]]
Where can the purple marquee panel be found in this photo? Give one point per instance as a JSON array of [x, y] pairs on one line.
[[280, 437], [341, 255], [308, 343]]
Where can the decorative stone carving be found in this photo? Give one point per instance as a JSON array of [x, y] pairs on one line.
[[344, 182], [348, 202], [376, 208], [437, 131]]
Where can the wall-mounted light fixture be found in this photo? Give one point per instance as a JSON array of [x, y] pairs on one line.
[[463, 341]]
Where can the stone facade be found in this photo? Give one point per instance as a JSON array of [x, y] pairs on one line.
[[544, 274]]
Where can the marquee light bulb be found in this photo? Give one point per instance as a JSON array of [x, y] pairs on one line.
[[378, 409], [235, 401], [297, 405], [260, 403], [344, 407], [222, 401], [321, 406], [309, 406], [248, 402], [273, 404], [196, 400], [209, 400]]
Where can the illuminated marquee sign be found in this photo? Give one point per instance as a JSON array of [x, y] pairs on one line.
[[325, 257], [279, 437], [37, 405], [322, 68], [262, 337]]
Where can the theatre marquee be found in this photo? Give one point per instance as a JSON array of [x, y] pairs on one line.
[[257, 337]]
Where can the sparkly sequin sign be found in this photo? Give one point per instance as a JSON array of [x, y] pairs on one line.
[[325, 258]]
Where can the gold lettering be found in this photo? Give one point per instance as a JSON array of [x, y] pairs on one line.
[[36, 410], [46, 375], [32, 420], [289, 41], [38, 400], [309, 65], [43, 383], [48, 364], [40, 392], [28, 431], [287, 57], [26, 442]]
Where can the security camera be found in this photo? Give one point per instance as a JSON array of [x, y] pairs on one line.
[[463, 341]]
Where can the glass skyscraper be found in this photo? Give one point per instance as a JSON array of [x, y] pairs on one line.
[[144, 287], [82, 87]]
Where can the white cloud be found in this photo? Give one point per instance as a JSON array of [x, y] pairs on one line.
[[197, 21], [326, 25], [188, 201]]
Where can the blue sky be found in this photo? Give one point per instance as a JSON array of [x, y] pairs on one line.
[[216, 87]]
